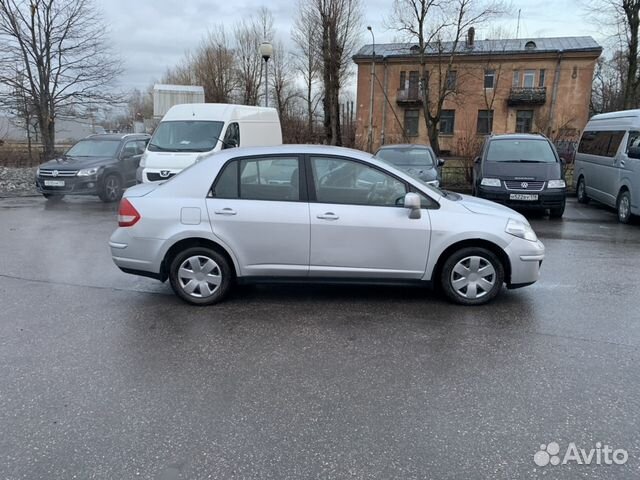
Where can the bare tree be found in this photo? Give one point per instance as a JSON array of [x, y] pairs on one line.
[[283, 90], [305, 34], [438, 29], [61, 47], [215, 68], [607, 90]]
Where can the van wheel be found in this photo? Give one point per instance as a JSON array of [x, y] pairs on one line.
[[581, 191], [200, 276], [624, 207], [472, 276]]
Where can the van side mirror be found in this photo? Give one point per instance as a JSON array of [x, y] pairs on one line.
[[634, 152], [477, 160], [440, 162], [412, 202]]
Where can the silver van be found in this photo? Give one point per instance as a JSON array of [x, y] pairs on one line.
[[607, 166]]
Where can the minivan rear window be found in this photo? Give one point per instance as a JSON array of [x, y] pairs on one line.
[[521, 150], [604, 144]]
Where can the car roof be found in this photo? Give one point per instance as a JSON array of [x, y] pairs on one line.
[[118, 136], [404, 145], [518, 136]]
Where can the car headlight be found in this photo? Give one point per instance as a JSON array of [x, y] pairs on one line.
[[143, 160], [520, 229], [433, 183], [491, 182], [556, 184], [86, 172]]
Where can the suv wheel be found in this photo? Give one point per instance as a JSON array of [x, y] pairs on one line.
[[200, 276], [581, 191], [624, 207], [111, 188], [472, 276]]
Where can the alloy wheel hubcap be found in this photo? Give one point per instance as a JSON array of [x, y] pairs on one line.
[[581, 190], [112, 188], [199, 276], [623, 210], [473, 277]]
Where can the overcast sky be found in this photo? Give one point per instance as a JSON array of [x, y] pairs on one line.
[[152, 35]]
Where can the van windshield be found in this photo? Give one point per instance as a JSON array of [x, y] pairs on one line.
[[529, 151], [185, 136]]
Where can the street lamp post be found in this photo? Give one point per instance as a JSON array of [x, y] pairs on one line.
[[266, 50], [373, 72]]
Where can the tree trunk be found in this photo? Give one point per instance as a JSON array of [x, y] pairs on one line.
[[47, 133], [632, 11], [433, 131]]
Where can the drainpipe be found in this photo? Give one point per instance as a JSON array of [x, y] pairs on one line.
[[371, 86], [554, 95], [384, 105]]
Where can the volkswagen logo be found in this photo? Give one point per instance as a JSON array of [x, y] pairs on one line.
[[164, 173], [54, 173], [524, 185]]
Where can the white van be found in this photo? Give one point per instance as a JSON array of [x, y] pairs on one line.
[[189, 132], [607, 166]]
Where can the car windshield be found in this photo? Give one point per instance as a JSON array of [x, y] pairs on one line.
[[407, 156], [93, 147], [185, 136], [529, 151], [413, 175]]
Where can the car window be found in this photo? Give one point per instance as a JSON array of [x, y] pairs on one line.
[[141, 146], [95, 147], [130, 149], [520, 151], [634, 140], [273, 178], [349, 182], [185, 136], [604, 144], [406, 156], [232, 136]]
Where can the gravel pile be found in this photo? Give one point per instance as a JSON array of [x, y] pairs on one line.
[[17, 181]]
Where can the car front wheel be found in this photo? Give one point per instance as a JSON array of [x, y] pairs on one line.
[[624, 207], [472, 276], [200, 276], [581, 191]]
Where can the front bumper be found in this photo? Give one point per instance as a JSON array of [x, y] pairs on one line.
[[72, 185], [526, 259], [554, 198]]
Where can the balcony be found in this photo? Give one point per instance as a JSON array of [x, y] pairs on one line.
[[527, 96], [408, 97]]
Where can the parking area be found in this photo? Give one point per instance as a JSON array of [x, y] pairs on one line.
[[106, 375]]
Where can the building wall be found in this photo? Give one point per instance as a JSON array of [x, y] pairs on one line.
[[571, 110]]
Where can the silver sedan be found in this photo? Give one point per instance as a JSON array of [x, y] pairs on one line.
[[318, 214]]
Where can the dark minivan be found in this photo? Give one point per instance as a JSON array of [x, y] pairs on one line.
[[102, 165], [522, 171]]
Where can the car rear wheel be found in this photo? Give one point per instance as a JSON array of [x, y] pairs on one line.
[[111, 189], [472, 276], [200, 276], [581, 191], [624, 207]]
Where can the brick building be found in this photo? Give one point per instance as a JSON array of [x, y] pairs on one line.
[[497, 86]]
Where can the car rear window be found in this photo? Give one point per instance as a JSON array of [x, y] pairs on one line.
[[411, 156], [521, 150]]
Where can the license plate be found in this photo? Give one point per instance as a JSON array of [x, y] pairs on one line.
[[523, 196], [54, 183]]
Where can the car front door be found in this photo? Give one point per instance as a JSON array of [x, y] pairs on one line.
[[359, 228], [258, 207], [129, 160]]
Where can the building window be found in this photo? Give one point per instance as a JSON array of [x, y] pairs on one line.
[[403, 80], [452, 78], [411, 120], [529, 78], [447, 122], [485, 122], [524, 121], [541, 79], [489, 78], [414, 81], [516, 79]]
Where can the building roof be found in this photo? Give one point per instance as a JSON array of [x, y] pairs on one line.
[[524, 46]]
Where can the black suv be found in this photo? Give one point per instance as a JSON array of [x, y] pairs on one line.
[[102, 165], [522, 171]]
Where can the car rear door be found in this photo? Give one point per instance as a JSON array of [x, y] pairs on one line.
[[359, 228], [258, 207]]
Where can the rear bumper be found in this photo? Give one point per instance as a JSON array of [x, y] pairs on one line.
[[546, 198], [138, 256]]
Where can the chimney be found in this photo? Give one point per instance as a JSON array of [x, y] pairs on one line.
[[471, 37]]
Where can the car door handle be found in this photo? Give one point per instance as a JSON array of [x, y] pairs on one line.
[[328, 216], [225, 211]]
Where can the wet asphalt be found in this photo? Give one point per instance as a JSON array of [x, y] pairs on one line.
[[109, 376]]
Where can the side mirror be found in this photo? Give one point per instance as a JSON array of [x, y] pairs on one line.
[[412, 202], [440, 162], [477, 160], [634, 152]]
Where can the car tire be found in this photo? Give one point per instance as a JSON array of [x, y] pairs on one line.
[[111, 190], [53, 197], [581, 191], [623, 206], [557, 212], [484, 284], [200, 276]]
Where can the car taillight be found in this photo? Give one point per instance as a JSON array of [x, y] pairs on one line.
[[127, 214]]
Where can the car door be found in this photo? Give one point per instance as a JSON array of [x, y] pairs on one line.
[[359, 228], [258, 207], [129, 160]]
